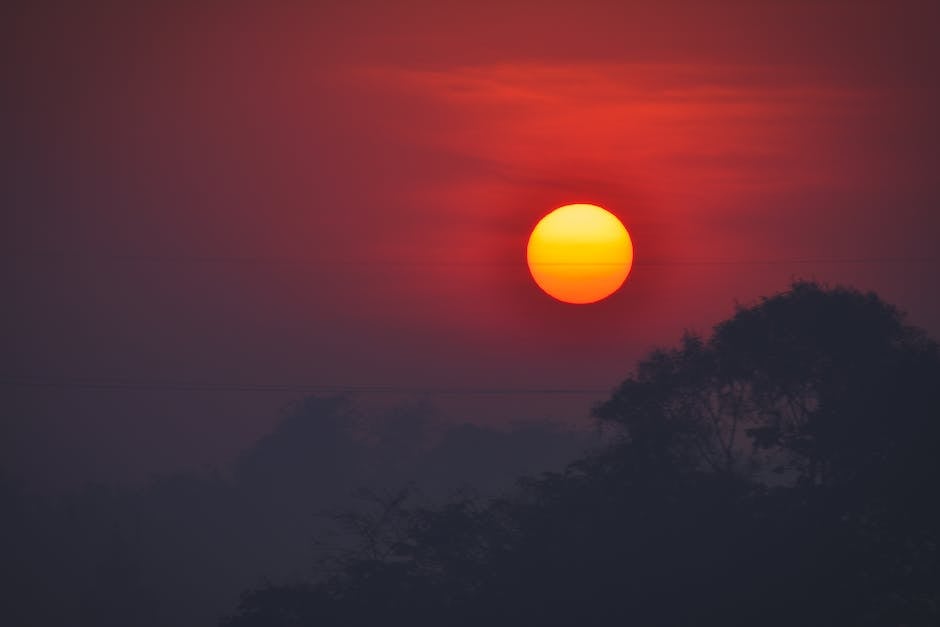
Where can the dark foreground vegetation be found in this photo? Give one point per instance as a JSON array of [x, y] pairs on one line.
[[178, 550], [783, 472]]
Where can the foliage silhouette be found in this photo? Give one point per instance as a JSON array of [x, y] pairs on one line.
[[781, 472], [178, 550]]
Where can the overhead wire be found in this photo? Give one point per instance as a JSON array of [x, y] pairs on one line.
[[23, 381], [206, 386]]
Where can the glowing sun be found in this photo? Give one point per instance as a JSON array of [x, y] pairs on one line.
[[579, 253]]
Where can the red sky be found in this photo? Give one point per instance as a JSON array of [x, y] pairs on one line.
[[339, 194]]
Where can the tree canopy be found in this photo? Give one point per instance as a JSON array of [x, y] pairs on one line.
[[781, 471]]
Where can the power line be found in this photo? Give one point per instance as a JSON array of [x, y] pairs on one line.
[[204, 386]]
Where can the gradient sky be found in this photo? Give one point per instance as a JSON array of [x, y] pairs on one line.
[[339, 195]]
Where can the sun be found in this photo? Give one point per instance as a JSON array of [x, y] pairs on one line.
[[579, 253]]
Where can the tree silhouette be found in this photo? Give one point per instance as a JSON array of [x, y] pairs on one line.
[[779, 472], [819, 384], [179, 549]]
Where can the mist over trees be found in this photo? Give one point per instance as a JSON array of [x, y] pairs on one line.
[[782, 471], [179, 550]]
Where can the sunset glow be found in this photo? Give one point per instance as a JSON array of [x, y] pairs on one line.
[[580, 253]]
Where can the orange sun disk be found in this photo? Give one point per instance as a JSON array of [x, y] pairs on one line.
[[579, 253]]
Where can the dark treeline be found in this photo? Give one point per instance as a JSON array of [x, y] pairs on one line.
[[781, 472], [177, 551]]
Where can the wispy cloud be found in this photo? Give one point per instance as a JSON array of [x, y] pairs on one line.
[[673, 127]]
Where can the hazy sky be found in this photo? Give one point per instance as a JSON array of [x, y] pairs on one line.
[[339, 195]]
